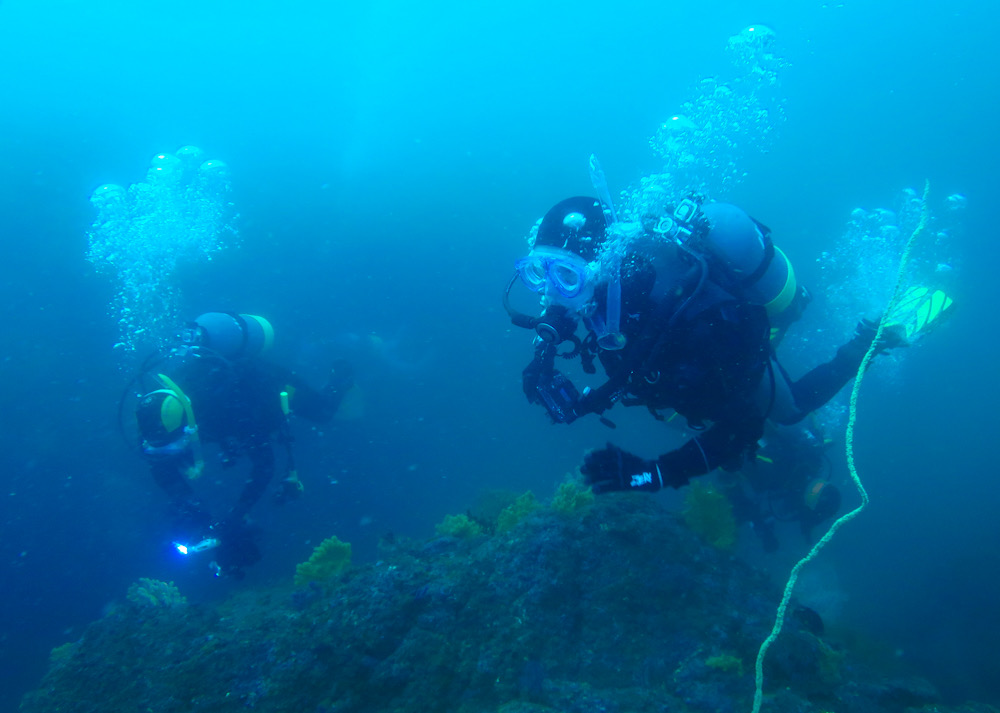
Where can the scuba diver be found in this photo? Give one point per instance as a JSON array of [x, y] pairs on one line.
[[213, 387], [682, 311], [788, 480]]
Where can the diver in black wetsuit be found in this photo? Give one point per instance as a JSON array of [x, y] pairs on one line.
[[680, 310], [788, 480], [213, 387]]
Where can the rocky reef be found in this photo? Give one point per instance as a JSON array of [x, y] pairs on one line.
[[612, 605]]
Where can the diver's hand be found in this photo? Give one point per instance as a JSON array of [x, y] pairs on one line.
[[290, 488], [237, 548], [553, 391], [595, 401], [611, 469], [530, 378], [893, 336]]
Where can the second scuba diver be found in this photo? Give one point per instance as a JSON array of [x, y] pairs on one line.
[[213, 387]]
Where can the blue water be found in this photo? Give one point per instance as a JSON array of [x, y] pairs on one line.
[[387, 161]]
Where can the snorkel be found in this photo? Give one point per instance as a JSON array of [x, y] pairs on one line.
[[608, 330]]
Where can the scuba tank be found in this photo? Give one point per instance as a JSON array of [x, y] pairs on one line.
[[234, 336], [750, 264]]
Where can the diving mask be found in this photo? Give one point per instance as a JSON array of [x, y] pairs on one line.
[[554, 272]]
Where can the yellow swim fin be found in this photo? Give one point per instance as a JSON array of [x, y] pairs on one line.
[[918, 311]]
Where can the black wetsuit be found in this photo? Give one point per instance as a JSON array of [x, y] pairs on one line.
[[703, 351], [707, 367], [236, 404]]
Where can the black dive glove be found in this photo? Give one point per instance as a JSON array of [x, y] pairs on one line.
[[611, 469], [530, 378], [237, 547], [290, 488], [554, 391], [893, 337]]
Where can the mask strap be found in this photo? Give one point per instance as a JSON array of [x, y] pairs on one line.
[[600, 183]]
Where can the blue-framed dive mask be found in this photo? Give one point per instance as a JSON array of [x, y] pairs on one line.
[[554, 272]]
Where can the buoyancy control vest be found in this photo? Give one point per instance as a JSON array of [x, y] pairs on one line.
[[695, 312]]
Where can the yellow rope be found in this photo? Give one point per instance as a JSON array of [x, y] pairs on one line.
[[779, 621]]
